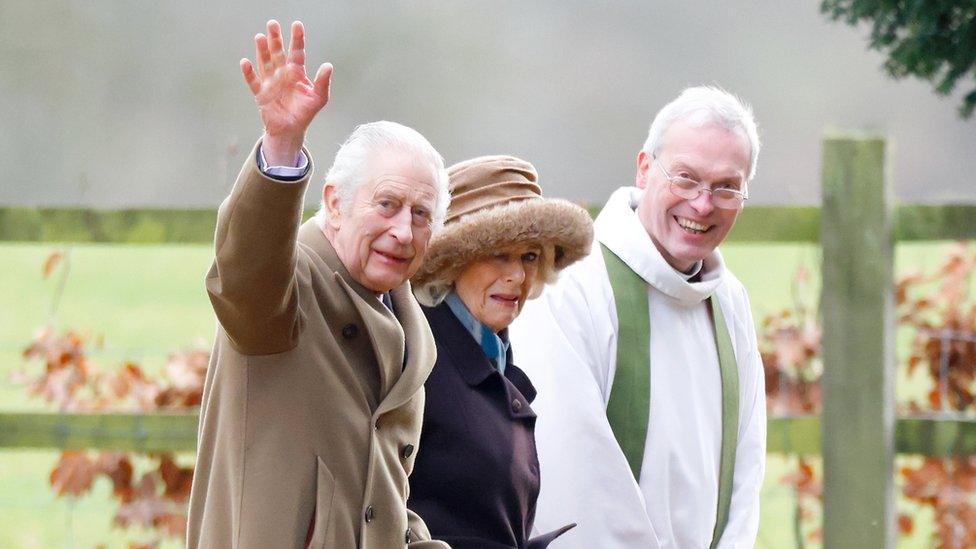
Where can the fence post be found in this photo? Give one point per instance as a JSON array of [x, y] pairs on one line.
[[858, 345]]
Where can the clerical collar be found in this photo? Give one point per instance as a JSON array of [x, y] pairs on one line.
[[696, 268]]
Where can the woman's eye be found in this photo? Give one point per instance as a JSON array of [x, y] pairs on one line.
[[530, 257]]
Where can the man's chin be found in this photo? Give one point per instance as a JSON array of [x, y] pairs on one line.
[[384, 281], [683, 259]]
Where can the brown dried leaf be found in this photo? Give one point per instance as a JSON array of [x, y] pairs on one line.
[[118, 467], [50, 263], [905, 525], [172, 524], [176, 479], [73, 473]]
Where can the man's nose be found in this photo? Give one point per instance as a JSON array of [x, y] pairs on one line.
[[703, 203], [401, 226]]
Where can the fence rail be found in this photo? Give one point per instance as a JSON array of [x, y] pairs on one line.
[[117, 431], [196, 226], [935, 435]]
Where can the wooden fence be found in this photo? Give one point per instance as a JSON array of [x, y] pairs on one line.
[[858, 434]]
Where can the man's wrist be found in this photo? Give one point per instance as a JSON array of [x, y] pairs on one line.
[[282, 150]]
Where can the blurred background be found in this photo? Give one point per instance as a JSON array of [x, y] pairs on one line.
[[119, 104], [112, 109]]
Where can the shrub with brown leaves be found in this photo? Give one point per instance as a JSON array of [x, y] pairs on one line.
[[152, 489], [939, 311]]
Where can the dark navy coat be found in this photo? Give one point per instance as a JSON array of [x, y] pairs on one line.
[[475, 480]]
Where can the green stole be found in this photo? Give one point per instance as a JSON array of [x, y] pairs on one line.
[[630, 396]]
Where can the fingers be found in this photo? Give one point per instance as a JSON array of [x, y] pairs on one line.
[[275, 44], [247, 69], [270, 56], [296, 50], [322, 80], [263, 55]]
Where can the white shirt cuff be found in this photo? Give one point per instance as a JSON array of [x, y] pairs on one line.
[[283, 171]]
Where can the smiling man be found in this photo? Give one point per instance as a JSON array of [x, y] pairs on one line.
[[651, 402], [314, 396]]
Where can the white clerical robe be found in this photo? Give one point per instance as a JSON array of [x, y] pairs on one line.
[[567, 343]]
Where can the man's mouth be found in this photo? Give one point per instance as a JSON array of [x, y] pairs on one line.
[[394, 258], [692, 226]]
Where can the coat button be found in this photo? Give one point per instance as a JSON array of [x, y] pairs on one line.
[[370, 513], [516, 405], [407, 451], [349, 331], [409, 536]]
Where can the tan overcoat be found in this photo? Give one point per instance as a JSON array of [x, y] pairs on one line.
[[310, 419]]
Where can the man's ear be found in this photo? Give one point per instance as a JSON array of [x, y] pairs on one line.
[[644, 162], [331, 200]]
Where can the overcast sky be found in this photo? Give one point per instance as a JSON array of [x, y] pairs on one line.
[[123, 104]]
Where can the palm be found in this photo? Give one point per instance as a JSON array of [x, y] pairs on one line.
[[287, 98]]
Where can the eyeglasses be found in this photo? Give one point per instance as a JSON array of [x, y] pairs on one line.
[[689, 189]]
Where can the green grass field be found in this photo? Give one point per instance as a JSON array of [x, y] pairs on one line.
[[145, 301]]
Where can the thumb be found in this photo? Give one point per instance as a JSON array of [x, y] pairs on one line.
[[323, 78]]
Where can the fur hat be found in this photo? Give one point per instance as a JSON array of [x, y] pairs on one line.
[[496, 203]]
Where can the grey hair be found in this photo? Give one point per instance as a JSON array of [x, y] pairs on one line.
[[349, 169], [701, 105]]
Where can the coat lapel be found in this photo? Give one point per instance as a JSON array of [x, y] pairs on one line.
[[466, 355], [421, 352], [385, 333]]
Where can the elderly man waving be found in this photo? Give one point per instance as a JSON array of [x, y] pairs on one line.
[[314, 397]]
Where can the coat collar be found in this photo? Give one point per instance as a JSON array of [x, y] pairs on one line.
[[471, 362], [390, 335], [619, 228]]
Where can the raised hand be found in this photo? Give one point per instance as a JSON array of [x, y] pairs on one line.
[[286, 98]]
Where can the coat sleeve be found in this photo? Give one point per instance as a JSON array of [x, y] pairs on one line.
[[251, 283], [750, 457], [565, 343], [420, 535]]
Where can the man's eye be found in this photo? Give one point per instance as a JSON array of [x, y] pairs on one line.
[[387, 205], [421, 213], [686, 182]]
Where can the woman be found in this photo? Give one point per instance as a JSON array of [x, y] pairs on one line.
[[476, 477]]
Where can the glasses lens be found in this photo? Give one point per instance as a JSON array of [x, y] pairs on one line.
[[685, 188], [726, 198]]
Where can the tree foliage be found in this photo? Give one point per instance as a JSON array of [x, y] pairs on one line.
[[931, 39]]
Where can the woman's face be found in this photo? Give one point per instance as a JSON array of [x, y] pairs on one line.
[[494, 289]]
